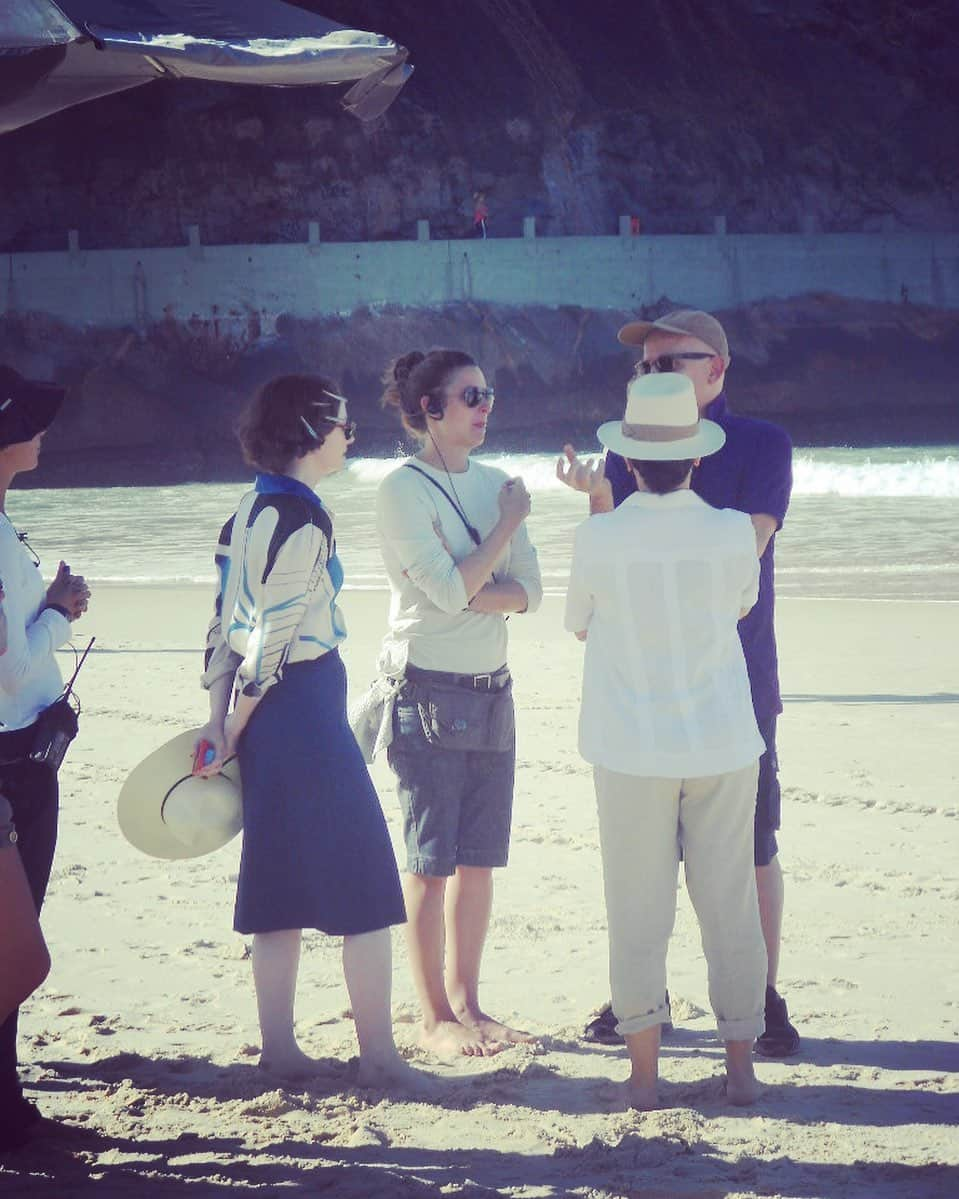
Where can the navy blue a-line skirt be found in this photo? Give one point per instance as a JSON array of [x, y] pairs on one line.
[[316, 850]]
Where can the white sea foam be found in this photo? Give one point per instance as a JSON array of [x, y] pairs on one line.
[[865, 522], [847, 473], [933, 476]]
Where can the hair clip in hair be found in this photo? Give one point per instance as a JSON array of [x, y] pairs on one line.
[[309, 428]]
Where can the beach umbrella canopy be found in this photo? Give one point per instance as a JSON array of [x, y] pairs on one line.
[[53, 56]]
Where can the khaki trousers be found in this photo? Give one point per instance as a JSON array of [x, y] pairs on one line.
[[643, 824]]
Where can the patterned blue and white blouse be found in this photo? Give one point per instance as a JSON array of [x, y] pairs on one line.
[[279, 577]]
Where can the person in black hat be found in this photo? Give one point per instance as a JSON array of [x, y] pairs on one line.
[[38, 622], [24, 960]]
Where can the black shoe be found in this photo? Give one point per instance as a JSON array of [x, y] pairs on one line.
[[601, 1030], [779, 1038], [667, 1025], [17, 1124]]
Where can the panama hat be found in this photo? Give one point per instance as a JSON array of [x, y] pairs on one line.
[[661, 422], [168, 812]]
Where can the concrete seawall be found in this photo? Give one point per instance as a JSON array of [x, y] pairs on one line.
[[254, 284]]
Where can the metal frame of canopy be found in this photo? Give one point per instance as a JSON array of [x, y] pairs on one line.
[[56, 55]]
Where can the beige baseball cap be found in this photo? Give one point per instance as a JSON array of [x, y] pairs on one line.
[[688, 321]]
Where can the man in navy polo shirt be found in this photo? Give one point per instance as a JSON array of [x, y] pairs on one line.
[[753, 474]]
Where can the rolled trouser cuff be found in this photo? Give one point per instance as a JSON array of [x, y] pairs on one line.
[[634, 1024], [746, 1029]]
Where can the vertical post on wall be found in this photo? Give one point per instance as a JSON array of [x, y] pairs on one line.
[[73, 242], [937, 289], [422, 231], [625, 226], [195, 246], [719, 224], [467, 277], [11, 300], [313, 233], [529, 227], [140, 298]]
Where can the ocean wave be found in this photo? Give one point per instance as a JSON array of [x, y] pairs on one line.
[[930, 477], [845, 473], [875, 568]]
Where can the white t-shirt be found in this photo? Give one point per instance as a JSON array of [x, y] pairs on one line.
[[30, 678], [430, 623], [659, 584]]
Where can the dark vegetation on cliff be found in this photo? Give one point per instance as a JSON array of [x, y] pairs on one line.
[[839, 113], [161, 408]]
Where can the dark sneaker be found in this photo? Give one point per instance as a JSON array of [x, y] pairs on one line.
[[17, 1124], [667, 1025], [779, 1038], [601, 1030]]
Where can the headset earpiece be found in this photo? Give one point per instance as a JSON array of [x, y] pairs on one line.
[[434, 407]]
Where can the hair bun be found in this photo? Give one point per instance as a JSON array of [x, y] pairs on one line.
[[403, 367]]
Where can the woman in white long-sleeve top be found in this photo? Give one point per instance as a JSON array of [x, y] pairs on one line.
[[316, 850], [459, 560], [37, 624]]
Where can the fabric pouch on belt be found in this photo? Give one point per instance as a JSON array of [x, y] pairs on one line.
[[371, 716], [460, 718]]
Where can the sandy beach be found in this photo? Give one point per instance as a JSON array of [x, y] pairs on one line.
[[143, 1042]]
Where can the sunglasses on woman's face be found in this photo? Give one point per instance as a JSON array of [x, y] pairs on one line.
[[666, 363], [472, 397]]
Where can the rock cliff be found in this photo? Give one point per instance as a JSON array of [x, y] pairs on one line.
[[830, 114]]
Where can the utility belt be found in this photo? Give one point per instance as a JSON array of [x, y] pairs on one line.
[[495, 680], [46, 740], [16, 744], [456, 711]]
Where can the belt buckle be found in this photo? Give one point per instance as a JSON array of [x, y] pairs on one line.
[[478, 678]]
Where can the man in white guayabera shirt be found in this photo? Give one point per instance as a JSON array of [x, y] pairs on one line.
[[657, 588]]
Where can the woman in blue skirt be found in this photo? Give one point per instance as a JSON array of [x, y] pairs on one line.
[[316, 851]]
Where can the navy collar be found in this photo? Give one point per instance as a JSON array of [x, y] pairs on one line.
[[718, 409], [267, 484]]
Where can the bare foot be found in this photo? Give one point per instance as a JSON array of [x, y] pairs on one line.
[[742, 1091], [741, 1087], [626, 1096], [640, 1098], [491, 1031], [450, 1039], [397, 1077], [292, 1063]]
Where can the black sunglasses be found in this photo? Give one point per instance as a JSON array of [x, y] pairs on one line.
[[666, 363], [474, 396]]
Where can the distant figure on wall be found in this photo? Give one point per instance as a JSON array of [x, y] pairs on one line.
[[634, 226], [480, 214]]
